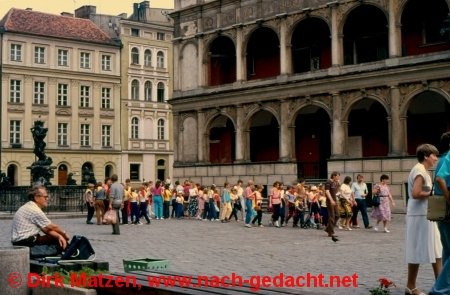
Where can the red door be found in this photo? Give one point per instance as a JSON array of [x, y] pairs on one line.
[[308, 156]]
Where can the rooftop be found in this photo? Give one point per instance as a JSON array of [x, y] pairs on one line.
[[51, 25]]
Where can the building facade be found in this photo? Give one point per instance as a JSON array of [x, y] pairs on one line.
[[146, 73], [275, 90], [66, 72]]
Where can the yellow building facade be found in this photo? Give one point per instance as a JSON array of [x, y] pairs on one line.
[[65, 72]]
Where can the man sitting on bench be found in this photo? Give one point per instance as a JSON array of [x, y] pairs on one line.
[[32, 228]]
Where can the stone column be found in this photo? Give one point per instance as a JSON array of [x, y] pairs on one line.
[[397, 132], [201, 135], [239, 133], [336, 40], [292, 143], [338, 132], [180, 141], [395, 48], [285, 50], [176, 143], [285, 145], [247, 140], [176, 66], [240, 61], [201, 64]]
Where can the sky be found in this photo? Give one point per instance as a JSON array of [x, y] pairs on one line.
[[113, 7]]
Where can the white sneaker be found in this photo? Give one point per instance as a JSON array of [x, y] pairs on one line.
[[375, 228], [277, 224], [340, 227], [248, 225], [386, 230]]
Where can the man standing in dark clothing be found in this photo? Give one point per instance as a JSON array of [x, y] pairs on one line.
[[115, 200], [331, 189]]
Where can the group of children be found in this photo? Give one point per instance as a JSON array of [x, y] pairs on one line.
[[305, 205]]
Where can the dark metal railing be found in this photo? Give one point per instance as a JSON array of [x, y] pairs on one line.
[[61, 198]]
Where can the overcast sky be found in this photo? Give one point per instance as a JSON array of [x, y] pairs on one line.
[[113, 7]]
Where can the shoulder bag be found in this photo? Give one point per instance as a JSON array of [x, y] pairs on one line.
[[438, 208], [376, 200]]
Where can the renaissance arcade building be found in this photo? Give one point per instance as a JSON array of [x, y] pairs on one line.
[[276, 90]]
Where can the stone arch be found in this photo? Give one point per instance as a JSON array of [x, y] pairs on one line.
[[365, 34], [249, 33], [109, 169], [347, 109], [310, 45], [87, 173], [12, 172], [63, 170], [349, 11], [262, 53], [368, 129], [427, 116], [221, 142], [305, 104], [221, 57], [263, 136], [311, 139], [407, 101], [421, 24], [251, 112]]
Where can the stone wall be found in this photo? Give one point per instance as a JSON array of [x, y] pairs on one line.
[[265, 174]]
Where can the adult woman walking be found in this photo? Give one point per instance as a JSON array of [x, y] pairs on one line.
[[383, 211], [422, 241]]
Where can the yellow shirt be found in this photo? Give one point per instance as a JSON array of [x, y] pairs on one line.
[[167, 195]]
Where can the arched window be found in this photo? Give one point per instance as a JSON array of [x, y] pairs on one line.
[[160, 59], [161, 128], [135, 89], [148, 91], [109, 170], [135, 56], [148, 58], [12, 173], [135, 128], [161, 87]]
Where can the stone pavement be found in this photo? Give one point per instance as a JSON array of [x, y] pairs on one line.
[[213, 248]]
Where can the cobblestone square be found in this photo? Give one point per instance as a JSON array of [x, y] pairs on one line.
[[212, 248]]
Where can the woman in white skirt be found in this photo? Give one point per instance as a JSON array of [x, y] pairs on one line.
[[422, 242]]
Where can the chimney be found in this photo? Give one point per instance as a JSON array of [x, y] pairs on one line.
[[85, 11], [141, 11], [67, 14]]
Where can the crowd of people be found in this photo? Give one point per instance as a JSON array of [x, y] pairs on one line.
[[321, 206], [327, 206]]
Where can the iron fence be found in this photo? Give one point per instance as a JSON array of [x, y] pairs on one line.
[[61, 198]]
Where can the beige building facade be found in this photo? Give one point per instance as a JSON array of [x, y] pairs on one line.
[[146, 73], [276, 90], [66, 72]]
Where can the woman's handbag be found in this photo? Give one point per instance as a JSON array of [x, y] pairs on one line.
[[438, 209], [376, 200], [110, 217]]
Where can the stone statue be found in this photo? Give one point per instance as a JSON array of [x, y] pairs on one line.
[[4, 180], [70, 180], [41, 169]]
